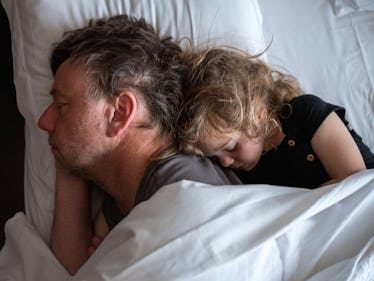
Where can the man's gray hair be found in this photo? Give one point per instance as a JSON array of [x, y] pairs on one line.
[[123, 52]]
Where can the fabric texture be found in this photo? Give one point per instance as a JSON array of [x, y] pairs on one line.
[[345, 7], [294, 162]]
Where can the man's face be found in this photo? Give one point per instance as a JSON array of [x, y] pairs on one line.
[[75, 122]]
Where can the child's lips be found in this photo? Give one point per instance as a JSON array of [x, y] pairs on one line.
[[238, 167], [244, 167]]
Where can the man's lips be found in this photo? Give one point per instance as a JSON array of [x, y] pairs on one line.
[[51, 143], [53, 147], [54, 150]]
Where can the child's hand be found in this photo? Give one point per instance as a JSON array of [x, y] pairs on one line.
[[95, 242], [101, 230]]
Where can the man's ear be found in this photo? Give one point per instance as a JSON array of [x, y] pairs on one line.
[[124, 109]]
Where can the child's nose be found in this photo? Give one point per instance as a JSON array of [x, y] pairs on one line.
[[226, 161], [48, 119]]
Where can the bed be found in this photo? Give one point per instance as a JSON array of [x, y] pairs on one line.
[[254, 232]]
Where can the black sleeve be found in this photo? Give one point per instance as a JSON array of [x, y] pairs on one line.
[[307, 113]]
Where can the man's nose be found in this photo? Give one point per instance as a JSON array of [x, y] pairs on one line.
[[48, 119], [226, 161]]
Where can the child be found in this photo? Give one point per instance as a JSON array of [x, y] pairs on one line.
[[259, 122]]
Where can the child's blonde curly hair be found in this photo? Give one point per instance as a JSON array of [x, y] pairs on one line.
[[224, 91]]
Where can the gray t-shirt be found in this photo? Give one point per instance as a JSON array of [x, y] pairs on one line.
[[173, 169]]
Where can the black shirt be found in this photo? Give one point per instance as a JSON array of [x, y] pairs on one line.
[[293, 162]]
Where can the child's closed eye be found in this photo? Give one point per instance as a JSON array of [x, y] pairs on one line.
[[230, 147]]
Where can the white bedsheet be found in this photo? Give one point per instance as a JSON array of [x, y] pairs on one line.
[[331, 52], [192, 231]]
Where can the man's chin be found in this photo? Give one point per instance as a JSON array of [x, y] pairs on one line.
[[76, 170], [72, 168], [72, 165]]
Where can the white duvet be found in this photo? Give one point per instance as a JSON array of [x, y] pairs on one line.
[[192, 231]]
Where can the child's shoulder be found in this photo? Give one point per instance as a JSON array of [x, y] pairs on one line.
[[307, 112], [313, 105], [307, 100], [301, 105], [305, 106]]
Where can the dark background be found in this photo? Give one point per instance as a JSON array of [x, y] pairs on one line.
[[12, 134]]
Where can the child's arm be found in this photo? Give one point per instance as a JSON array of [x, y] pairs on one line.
[[336, 149]]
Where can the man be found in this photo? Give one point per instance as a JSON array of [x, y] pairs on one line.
[[116, 93]]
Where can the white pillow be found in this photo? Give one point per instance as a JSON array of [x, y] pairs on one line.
[[36, 24]]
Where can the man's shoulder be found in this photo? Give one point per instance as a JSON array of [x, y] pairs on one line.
[[185, 166], [182, 167], [189, 160], [190, 167]]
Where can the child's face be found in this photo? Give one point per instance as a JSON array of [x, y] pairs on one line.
[[234, 150]]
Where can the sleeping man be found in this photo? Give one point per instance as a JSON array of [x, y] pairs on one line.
[[116, 91]]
